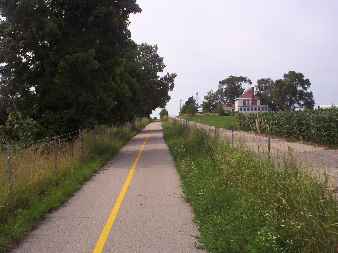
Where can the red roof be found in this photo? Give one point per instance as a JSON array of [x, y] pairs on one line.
[[249, 93]]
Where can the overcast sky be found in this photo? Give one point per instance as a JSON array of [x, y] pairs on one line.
[[206, 41]]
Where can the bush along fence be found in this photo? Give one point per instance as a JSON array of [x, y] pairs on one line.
[[243, 204], [28, 172], [278, 151], [316, 126]]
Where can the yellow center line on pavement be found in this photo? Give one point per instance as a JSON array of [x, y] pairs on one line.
[[101, 242]]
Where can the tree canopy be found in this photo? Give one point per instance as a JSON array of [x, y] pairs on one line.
[[232, 87], [190, 106], [287, 94], [212, 101], [164, 114], [228, 91], [72, 64]]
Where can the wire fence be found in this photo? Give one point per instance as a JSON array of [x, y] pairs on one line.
[[318, 161], [31, 167]]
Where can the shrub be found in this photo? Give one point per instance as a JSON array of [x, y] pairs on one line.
[[18, 129]]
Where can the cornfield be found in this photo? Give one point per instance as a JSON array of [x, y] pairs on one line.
[[317, 126]]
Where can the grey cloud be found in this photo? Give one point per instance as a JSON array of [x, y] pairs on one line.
[[204, 41]]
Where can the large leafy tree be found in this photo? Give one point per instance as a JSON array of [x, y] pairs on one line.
[[298, 92], [190, 106], [62, 57], [72, 64], [232, 87], [264, 89], [212, 101], [287, 94], [155, 88]]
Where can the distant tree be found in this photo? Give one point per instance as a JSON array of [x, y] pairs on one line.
[[293, 92], [264, 90], [190, 106], [164, 114], [211, 101], [232, 87]]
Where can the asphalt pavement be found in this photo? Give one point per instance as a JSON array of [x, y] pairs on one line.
[[134, 204]]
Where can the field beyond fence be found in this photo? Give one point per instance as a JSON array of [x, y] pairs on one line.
[[318, 160], [315, 126]]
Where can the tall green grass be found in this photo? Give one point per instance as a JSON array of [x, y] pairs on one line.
[[245, 205], [46, 174]]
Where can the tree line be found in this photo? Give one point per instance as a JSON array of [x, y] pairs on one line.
[[66, 65], [290, 93]]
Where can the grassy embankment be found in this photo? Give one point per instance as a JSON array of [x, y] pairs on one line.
[[45, 176], [243, 204], [226, 122]]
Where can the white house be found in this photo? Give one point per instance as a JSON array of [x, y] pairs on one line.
[[249, 103]]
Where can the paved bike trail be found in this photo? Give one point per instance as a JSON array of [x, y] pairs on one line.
[[153, 216]]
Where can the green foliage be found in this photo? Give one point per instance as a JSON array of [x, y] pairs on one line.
[[232, 87], [286, 94], [18, 129], [211, 101], [245, 205], [164, 114], [317, 126], [153, 91], [190, 107], [264, 90], [72, 64], [228, 91]]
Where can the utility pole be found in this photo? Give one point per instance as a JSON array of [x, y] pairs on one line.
[[180, 105]]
